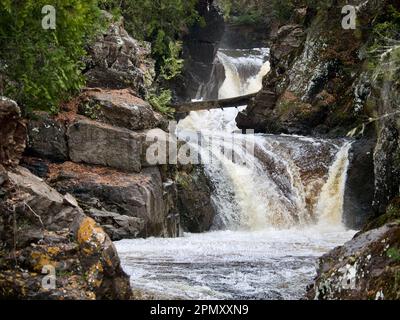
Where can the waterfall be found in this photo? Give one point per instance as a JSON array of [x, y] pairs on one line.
[[279, 203], [286, 181]]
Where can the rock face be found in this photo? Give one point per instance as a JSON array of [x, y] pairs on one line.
[[194, 201], [365, 268], [360, 184], [117, 61], [118, 226], [49, 249], [96, 143], [199, 50], [12, 133], [315, 85]]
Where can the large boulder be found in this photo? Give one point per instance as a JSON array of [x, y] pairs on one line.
[[118, 226], [117, 61], [365, 268], [119, 108], [137, 195], [50, 249], [12, 133], [102, 144]]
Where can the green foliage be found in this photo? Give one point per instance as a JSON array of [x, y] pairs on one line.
[[42, 67], [282, 9], [394, 254], [172, 65], [245, 12], [160, 101], [160, 22]]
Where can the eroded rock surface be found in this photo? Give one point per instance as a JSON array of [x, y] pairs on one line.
[[117, 61]]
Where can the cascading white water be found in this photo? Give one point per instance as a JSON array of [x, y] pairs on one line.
[[268, 191], [279, 207]]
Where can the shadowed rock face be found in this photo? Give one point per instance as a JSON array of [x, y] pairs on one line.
[[194, 201], [199, 51], [316, 83]]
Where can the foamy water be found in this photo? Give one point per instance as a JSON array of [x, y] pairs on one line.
[[268, 264]]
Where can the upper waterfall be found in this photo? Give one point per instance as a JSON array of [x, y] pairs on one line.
[[283, 181]]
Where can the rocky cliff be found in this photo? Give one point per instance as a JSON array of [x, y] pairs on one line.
[[327, 81]]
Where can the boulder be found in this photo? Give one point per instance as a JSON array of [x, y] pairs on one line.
[[365, 268], [47, 137], [12, 133], [43, 202], [102, 144], [118, 226], [119, 108], [117, 61], [137, 195]]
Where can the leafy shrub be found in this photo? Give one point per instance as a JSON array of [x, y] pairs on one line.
[[42, 67], [160, 101]]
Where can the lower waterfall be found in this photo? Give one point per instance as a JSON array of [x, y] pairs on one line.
[[279, 206]]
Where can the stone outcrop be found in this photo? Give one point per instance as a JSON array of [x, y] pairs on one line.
[[199, 49], [365, 268], [118, 226], [12, 133], [49, 249], [315, 85], [117, 61]]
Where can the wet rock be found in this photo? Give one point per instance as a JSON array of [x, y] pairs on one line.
[[360, 184], [119, 108], [101, 144], [12, 133], [47, 137], [118, 61], [118, 226], [137, 195], [364, 268], [194, 201]]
